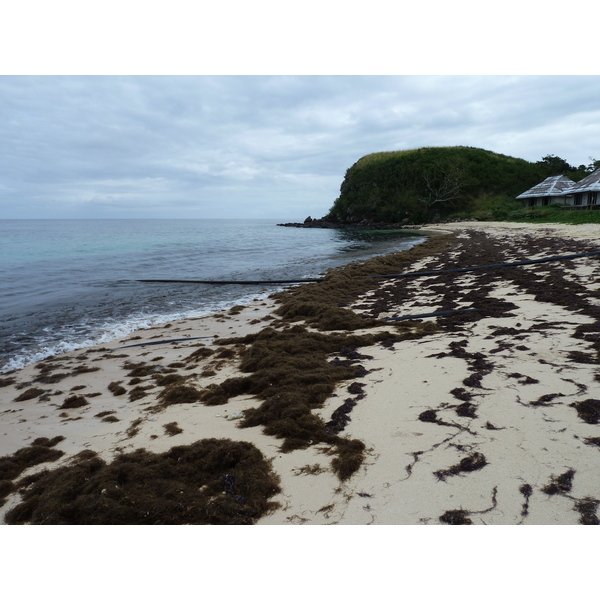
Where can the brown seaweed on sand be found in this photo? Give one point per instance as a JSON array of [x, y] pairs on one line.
[[213, 481]]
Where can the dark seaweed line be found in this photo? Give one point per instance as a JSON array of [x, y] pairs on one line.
[[466, 269]]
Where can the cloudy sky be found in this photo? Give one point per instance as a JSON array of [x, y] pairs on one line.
[[258, 146]]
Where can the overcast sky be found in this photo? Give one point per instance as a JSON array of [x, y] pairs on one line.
[[258, 146]]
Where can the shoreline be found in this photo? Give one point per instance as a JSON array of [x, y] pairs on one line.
[[417, 427]]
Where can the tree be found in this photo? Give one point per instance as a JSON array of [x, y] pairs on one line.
[[440, 186], [554, 165]]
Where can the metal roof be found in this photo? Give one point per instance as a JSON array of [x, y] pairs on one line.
[[591, 183], [557, 185]]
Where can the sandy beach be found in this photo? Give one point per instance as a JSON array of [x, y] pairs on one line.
[[487, 414]]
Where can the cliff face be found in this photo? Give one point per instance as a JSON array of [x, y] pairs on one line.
[[425, 184]]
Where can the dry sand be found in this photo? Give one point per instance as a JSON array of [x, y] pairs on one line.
[[519, 453]]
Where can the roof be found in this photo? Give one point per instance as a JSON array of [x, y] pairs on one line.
[[557, 185], [591, 183]]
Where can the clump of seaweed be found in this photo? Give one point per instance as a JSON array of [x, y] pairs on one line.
[[140, 369], [545, 399], [29, 394], [180, 394], [137, 393], [41, 450], [350, 456], [526, 490], [456, 517], [172, 428], [473, 462], [587, 511], [47, 376], [6, 381], [592, 441], [199, 354], [134, 428], [210, 482], [524, 379], [561, 484], [429, 416], [116, 389], [74, 402], [467, 409], [171, 378], [588, 410], [291, 373]]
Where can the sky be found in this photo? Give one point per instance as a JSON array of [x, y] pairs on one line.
[[130, 109], [245, 146]]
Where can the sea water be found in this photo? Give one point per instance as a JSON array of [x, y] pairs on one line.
[[68, 284]]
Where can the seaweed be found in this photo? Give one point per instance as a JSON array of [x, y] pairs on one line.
[[172, 428], [29, 394], [587, 511], [199, 354], [545, 399], [350, 456], [137, 393], [428, 416], [74, 402], [165, 380], [467, 409], [116, 389], [41, 450], [140, 369], [473, 462], [210, 482], [456, 517], [561, 484], [588, 410], [526, 490], [134, 428], [180, 394], [6, 381]]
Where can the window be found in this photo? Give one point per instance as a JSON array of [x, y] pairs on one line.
[[578, 199], [592, 197]]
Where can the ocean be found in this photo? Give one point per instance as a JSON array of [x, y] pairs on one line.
[[69, 284]]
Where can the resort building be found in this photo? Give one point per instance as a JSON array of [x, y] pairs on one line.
[[559, 189], [552, 190], [585, 193]]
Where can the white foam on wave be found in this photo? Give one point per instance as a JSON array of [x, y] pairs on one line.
[[110, 331]]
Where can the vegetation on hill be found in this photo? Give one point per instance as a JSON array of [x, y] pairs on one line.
[[435, 183]]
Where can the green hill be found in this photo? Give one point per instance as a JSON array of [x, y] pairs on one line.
[[427, 184]]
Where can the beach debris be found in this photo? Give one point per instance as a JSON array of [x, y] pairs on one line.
[[561, 484], [116, 389], [588, 410], [234, 416], [455, 517], [172, 429], [74, 402], [587, 508], [526, 490], [196, 484], [29, 394], [41, 450], [473, 462]]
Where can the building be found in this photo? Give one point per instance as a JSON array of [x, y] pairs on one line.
[[559, 189], [552, 190], [584, 194]]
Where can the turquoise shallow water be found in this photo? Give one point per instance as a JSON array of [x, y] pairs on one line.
[[67, 284]]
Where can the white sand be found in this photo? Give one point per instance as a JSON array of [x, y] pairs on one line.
[[527, 445]]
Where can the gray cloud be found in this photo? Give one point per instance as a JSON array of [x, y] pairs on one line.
[[246, 146]]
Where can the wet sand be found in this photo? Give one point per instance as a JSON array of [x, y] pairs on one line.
[[487, 417]]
